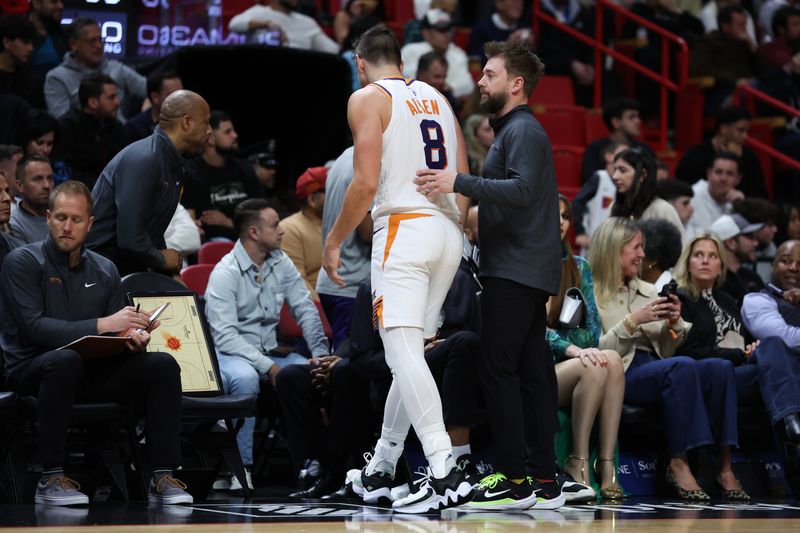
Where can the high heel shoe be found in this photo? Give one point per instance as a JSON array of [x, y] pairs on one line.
[[736, 495], [613, 491], [572, 459], [691, 495]]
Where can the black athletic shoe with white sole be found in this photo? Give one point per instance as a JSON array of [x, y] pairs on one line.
[[434, 494], [376, 487], [574, 491], [495, 492], [548, 494]]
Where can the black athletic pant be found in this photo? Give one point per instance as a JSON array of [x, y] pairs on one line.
[[59, 377], [517, 374], [452, 364], [347, 400]]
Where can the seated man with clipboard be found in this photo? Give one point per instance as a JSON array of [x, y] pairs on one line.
[[56, 292]]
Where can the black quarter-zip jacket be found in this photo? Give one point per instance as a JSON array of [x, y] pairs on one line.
[[46, 304]]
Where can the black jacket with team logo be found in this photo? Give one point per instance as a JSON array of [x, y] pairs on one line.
[[134, 200], [45, 304]]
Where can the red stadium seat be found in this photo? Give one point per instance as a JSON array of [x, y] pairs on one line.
[[211, 252], [290, 329], [553, 90], [196, 277], [461, 37], [568, 166], [564, 124], [570, 193]]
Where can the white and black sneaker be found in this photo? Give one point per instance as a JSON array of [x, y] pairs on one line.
[[376, 486], [574, 491], [434, 494]]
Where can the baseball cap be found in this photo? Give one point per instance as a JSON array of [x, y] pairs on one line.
[[262, 152], [438, 19], [311, 181], [729, 226]]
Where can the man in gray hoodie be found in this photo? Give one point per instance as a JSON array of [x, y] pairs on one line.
[[85, 57]]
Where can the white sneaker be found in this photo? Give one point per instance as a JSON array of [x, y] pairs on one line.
[[353, 478], [237, 487], [434, 494]]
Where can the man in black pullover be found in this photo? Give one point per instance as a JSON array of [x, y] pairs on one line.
[[521, 268], [53, 293], [136, 195]]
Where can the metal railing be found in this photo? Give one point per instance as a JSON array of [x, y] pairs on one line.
[[664, 79], [747, 91]]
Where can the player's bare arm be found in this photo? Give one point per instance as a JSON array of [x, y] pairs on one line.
[[368, 113]]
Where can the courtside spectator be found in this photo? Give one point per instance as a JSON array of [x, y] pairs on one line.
[[7, 241], [50, 44], [635, 178], [432, 69], [737, 235], [717, 333], [86, 56], [302, 239], [478, 134], [646, 330], [506, 22], [338, 301], [728, 55], [662, 248], [786, 31], [35, 181], [245, 293], [160, 84], [624, 122], [733, 124], [714, 196], [592, 204], [16, 46], [679, 195], [279, 22], [590, 380], [437, 32], [40, 139], [218, 180], [91, 136], [771, 316], [760, 211]]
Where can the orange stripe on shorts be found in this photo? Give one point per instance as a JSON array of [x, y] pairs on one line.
[[394, 224]]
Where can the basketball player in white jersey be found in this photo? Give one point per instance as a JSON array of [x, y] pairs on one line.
[[399, 126]]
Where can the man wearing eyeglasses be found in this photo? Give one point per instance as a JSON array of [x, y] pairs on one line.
[[86, 56], [437, 32]]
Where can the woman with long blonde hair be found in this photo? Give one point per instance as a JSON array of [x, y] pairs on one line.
[[646, 329]]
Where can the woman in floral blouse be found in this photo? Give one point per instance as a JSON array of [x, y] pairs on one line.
[[589, 379]]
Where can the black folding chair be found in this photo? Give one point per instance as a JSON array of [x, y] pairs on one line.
[[201, 409]]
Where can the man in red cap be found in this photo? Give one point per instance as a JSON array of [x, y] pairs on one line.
[[302, 240]]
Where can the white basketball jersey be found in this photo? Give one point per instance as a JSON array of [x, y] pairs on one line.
[[421, 134]]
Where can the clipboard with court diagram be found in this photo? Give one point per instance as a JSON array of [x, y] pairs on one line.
[[182, 336]]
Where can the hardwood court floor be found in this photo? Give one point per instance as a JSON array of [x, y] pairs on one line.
[[276, 516]]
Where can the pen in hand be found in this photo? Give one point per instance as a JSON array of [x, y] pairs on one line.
[[138, 306]]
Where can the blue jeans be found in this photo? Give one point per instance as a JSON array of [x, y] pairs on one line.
[[239, 377], [697, 398], [778, 377]]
